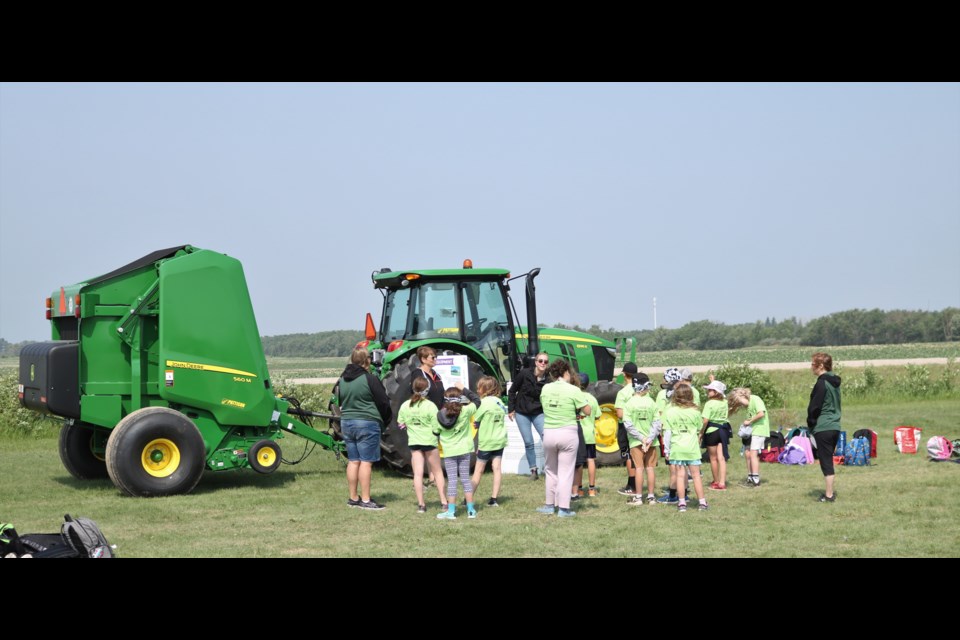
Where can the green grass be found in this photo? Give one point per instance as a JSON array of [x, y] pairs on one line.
[[900, 506]]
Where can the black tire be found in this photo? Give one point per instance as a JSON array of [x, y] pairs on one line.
[[264, 456], [76, 452], [167, 433], [394, 451]]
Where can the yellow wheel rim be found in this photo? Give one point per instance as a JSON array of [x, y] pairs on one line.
[[160, 458], [267, 456], [606, 428]]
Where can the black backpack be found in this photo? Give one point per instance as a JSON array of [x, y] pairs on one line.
[[774, 440], [78, 538]]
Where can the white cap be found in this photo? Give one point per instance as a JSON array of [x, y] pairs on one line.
[[717, 386]]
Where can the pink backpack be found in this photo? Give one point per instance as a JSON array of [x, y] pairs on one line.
[[801, 441], [939, 448]]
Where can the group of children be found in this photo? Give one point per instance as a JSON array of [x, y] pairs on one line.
[[673, 423], [464, 414], [676, 422]]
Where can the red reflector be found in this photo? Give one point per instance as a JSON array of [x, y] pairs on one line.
[[49, 314], [396, 344], [20, 395], [63, 302], [362, 344], [76, 311]]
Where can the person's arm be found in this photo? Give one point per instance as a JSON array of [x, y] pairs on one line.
[[632, 429], [816, 402], [380, 398], [512, 394], [471, 396]]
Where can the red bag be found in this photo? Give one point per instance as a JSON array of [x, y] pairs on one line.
[[838, 460], [771, 454], [870, 435], [907, 438]]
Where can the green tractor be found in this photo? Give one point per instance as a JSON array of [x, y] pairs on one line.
[[159, 372], [469, 312]]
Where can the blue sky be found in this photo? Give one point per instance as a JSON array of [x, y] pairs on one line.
[[726, 202]]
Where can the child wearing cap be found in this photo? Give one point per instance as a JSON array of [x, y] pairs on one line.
[[639, 416], [623, 397], [757, 419], [587, 431], [681, 426], [491, 435], [716, 432], [671, 377], [419, 418], [456, 439]]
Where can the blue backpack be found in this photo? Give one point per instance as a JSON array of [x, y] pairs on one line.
[[857, 453]]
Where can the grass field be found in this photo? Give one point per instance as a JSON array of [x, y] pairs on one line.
[[902, 505]]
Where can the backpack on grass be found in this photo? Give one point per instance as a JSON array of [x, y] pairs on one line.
[[871, 436], [78, 538], [857, 453]]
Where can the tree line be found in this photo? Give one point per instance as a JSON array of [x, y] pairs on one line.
[[856, 326]]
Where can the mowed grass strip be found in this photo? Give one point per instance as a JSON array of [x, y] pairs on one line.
[[902, 505]]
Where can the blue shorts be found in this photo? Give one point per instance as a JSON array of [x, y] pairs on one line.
[[685, 463], [362, 438], [486, 456]]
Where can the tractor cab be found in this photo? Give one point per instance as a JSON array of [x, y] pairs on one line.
[[447, 309]]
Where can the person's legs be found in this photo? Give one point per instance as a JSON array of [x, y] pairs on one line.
[[353, 472], [551, 451], [681, 478], [366, 471], [416, 461], [478, 474], [566, 462], [525, 425], [433, 461], [497, 476], [826, 444]]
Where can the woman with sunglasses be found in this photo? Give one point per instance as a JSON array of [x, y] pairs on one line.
[[524, 406], [435, 388]]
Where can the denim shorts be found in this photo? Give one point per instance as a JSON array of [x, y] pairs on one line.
[[486, 456], [685, 463], [362, 438]]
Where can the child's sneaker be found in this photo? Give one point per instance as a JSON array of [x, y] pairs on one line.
[[566, 513], [492, 502], [635, 500], [446, 515], [592, 492], [472, 513], [626, 491], [666, 499], [353, 503], [370, 505], [422, 508], [714, 485], [703, 506], [547, 509], [682, 507], [823, 498], [651, 499], [580, 492]]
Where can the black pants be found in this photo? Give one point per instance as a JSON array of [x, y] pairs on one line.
[[826, 445]]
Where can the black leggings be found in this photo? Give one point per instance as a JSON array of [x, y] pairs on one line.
[[826, 445]]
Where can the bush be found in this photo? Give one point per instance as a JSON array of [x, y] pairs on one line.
[[916, 382], [759, 382], [868, 382]]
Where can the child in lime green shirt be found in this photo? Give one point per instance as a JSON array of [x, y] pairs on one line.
[[639, 415], [588, 428], [456, 439], [716, 432], [758, 420], [419, 419], [681, 428], [491, 435]]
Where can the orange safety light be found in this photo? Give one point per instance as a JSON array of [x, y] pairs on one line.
[[49, 313], [468, 264], [370, 333], [412, 276], [363, 344]]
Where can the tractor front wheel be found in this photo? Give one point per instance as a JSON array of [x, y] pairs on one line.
[[155, 452], [608, 451], [77, 451]]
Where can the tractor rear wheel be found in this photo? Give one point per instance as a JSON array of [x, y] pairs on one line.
[[264, 456], [77, 451], [393, 441], [155, 452], [608, 451]]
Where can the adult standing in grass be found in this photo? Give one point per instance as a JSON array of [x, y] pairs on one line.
[[562, 404], [364, 408], [823, 417], [523, 405]]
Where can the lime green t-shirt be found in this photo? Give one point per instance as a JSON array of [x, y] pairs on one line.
[[683, 424], [623, 396], [561, 402], [663, 401], [421, 421], [715, 411], [762, 426], [491, 430], [589, 422], [458, 439], [641, 411]]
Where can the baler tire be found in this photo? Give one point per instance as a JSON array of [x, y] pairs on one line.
[[150, 432], [271, 458], [76, 452]]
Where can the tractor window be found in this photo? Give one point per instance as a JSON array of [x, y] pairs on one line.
[[395, 315], [485, 311], [434, 312]]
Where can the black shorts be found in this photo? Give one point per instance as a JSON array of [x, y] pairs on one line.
[[712, 439], [426, 448], [581, 447], [826, 444], [591, 452], [486, 456]]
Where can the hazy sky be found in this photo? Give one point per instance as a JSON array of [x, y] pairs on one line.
[[726, 202]]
